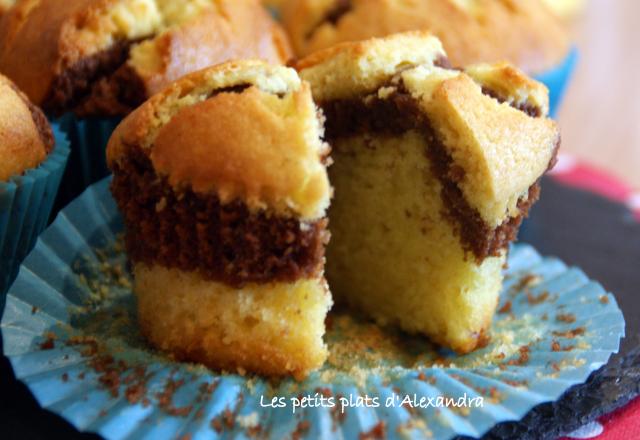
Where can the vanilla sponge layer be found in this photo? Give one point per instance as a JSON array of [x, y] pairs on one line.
[[271, 329], [394, 255]]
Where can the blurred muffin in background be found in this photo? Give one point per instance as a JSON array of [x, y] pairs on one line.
[[32, 160], [566, 9], [273, 3], [526, 33], [5, 5], [106, 57], [92, 62]]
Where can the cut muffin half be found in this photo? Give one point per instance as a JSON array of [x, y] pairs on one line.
[[434, 170], [223, 187]]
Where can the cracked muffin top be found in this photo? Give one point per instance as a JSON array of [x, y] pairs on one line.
[[25, 135], [271, 157], [525, 33], [106, 57]]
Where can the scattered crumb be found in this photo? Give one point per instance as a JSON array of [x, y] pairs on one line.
[[568, 318], [506, 308], [379, 431], [604, 299], [537, 299], [301, 429], [570, 334]]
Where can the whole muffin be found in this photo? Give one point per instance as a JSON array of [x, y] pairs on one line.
[[106, 57], [25, 135], [32, 161], [525, 33]]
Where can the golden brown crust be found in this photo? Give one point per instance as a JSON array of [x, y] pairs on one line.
[[41, 41], [243, 130], [5, 5], [525, 33], [25, 136], [247, 29]]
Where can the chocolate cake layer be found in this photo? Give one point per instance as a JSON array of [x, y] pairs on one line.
[[530, 109], [195, 232], [399, 113], [102, 77]]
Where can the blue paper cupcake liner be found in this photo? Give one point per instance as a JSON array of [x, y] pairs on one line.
[[25, 206], [558, 79], [88, 163], [70, 333]]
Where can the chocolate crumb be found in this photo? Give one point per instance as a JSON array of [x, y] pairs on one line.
[[537, 299], [556, 347], [379, 431], [301, 429], [228, 418], [570, 334], [48, 344], [604, 299], [506, 308], [568, 318], [216, 424], [523, 357]]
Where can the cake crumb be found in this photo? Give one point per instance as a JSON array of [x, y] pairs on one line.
[[506, 308], [568, 318], [570, 334], [379, 431], [301, 429], [537, 299], [604, 299]]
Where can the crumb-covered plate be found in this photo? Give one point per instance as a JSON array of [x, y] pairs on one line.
[[70, 332]]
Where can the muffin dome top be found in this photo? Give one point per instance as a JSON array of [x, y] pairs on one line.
[[492, 115], [270, 158], [105, 57], [5, 5], [25, 134], [525, 33]]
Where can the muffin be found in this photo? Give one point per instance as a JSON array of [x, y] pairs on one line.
[[31, 164], [5, 5], [526, 33], [106, 57], [434, 170], [94, 61], [566, 9], [222, 183]]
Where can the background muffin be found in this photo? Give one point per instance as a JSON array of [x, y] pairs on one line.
[[105, 57], [31, 165], [525, 33], [5, 5], [94, 61]]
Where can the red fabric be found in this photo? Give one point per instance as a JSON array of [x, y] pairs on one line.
[[623, 424]]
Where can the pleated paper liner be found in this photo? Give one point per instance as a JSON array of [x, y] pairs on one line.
[[88, 161], [25, 206], [70, 333]]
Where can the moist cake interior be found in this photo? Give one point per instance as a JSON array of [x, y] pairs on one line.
[[406, 247]]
